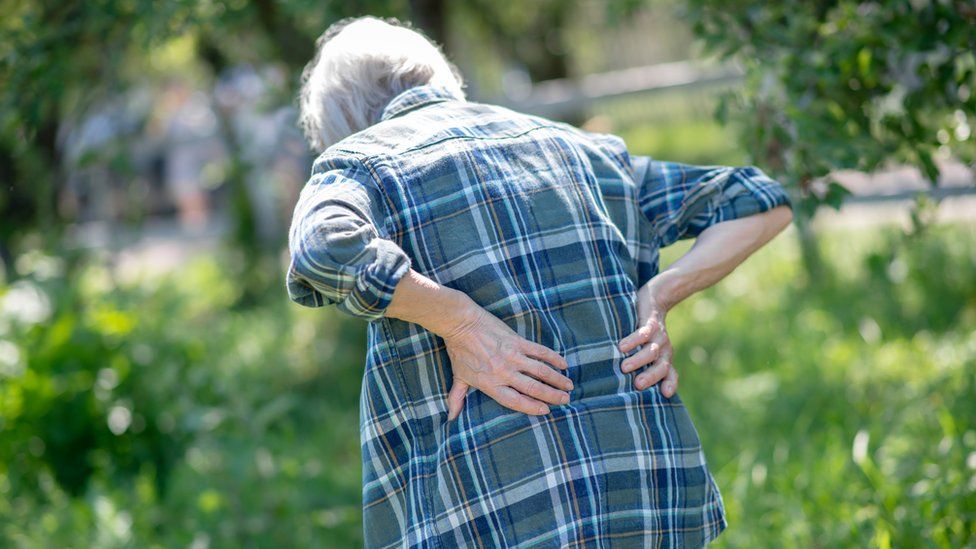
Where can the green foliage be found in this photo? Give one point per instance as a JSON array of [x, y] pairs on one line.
[[847, 84], [155, 411], [59, 60], [675, 125]]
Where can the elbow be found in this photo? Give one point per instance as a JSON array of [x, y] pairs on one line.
[[780, 217]]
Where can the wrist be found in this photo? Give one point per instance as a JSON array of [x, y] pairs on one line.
[[458, 316], [661, 290]]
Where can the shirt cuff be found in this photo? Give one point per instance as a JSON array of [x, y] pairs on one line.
[[365, 292], [373, 291], [750, 191]]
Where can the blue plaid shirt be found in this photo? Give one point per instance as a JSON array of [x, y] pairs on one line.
[[552, 229]]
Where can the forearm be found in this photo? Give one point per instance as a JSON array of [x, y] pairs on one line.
[[717, 251], [436, 307]]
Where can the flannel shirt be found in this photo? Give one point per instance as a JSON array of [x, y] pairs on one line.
[[552, 229]]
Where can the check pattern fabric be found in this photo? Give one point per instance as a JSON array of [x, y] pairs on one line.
[[552, 229]]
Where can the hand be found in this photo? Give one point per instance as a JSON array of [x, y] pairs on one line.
[[655, 346], [488, 355]]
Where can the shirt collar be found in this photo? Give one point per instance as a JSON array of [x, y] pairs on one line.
[[416, 97]]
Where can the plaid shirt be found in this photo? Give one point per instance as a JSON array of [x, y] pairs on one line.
[[552, 229]]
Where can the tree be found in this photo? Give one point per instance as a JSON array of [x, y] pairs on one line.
[[57, 60], [843, 84]]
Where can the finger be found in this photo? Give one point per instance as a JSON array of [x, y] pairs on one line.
[[646, 355], [638, 337], [514, 400], [536, 389], [666, 351], [544, 373], [670, 382], [544, 353], [456, 398], [651, 375]]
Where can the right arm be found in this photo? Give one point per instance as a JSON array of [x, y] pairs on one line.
[[342, 256], [485, 352]]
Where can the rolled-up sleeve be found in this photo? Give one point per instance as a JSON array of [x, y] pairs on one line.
[[340, 252], [682, 200]]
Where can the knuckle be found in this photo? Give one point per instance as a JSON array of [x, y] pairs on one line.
[[540, 391], [540, 351], [509, 375], [504, 398], [551, 356], [542, 372], [653, 349], [556, 395], [521, 406], [550, 395], [531, 406]]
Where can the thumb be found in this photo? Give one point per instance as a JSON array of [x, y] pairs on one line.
[[455, 398]]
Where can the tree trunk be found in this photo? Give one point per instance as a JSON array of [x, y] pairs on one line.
[[810, 253], [243, 234]]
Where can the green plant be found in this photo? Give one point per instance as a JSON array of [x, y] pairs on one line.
[[845, 85]]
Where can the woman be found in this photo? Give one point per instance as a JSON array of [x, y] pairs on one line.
[[518, 387]]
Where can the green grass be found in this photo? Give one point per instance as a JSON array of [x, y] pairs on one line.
[[835, 415]]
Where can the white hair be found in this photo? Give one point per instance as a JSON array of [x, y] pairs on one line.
[[359, 66]]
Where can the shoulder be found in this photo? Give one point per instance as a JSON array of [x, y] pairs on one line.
[[337, 165], [610, 147], [340, 176]]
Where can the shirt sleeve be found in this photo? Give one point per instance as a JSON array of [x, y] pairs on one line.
[[681, 200], [340, 251]]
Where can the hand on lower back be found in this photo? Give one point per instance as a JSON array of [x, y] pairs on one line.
[[519, 374], [655, 346]]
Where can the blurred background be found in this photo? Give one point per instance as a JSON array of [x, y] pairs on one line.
[[157, 388]]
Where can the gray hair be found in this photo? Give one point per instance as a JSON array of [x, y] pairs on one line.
[[361, 63]]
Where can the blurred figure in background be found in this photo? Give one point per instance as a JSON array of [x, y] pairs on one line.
[[193, 144]]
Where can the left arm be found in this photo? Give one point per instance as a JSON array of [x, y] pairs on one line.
[[731, 212], [717, 251]]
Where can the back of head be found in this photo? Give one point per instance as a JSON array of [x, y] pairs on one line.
[[360, 65]]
